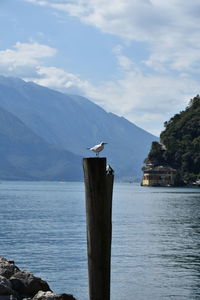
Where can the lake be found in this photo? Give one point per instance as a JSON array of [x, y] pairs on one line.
[[155, 247]]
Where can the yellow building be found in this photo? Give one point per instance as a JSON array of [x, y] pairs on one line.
[[158, 176]]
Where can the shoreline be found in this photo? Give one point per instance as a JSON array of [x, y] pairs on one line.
[[16, 284]]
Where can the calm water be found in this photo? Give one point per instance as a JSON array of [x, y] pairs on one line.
[[156, 238]]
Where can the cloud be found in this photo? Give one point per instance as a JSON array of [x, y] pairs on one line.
[[39, 2], [61, 80], [147, 92], [127, 19], [26, 60], [145, 99], [171, 28], [124, 62], [24, 56]]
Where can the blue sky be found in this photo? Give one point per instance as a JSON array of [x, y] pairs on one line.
[[136, 58]]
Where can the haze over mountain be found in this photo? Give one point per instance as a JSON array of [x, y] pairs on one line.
[[74, 123], [26, 156]]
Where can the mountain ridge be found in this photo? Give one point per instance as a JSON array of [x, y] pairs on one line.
[[74, 123], [26, 156]]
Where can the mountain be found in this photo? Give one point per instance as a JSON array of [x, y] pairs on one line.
[[26, 156], [180, 144], [75, 123]]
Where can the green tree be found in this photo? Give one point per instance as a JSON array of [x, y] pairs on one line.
[[181, 140], [156, 154]]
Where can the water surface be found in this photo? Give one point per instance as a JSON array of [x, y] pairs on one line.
[[156, 238]]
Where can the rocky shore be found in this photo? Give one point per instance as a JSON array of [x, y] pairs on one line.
[[16, 284]]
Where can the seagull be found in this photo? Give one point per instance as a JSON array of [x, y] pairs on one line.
[[97, 148]]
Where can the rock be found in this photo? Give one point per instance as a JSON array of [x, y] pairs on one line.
[[7, 297], [6, 291], [51, 296], [66, 297], [7, 267], [5, 286], [23, 285], [26, 284]]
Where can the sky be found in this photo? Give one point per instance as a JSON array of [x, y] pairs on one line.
[[139, 59]]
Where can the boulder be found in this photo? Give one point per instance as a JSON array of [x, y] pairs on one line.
[[23, 285], [51, 296], [26, 284], [7, 268], [5, 286], [6, 291], [8, 297]]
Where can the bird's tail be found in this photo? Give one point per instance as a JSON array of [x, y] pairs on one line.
[[87, 148]]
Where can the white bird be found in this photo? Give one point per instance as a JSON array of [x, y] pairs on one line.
[[97, 148]]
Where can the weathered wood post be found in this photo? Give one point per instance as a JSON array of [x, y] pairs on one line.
[[98, 190]]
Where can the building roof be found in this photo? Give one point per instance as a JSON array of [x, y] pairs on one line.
[[159, 169]]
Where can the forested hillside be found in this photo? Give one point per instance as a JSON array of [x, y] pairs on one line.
[[179, 145]]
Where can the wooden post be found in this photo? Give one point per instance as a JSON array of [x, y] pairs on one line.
[[98, 189]]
